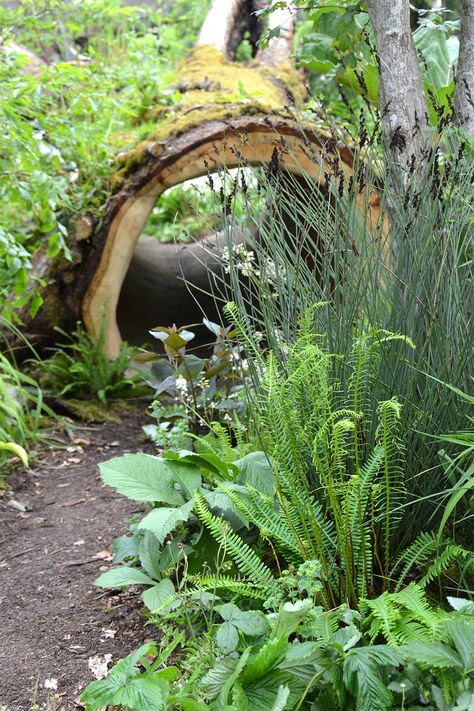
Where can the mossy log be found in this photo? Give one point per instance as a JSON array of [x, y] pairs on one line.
[[228, 113]]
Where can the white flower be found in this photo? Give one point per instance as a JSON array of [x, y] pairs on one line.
[[51, 684], [181, 385]]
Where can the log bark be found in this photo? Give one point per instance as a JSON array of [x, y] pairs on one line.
[[464, 93]]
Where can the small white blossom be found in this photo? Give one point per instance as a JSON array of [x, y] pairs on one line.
[[182, 385], [51, 684]]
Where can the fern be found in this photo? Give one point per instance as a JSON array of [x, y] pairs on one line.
[[430, 548], [444, 560], [247, 560], [392, 488], [257, 590], [260, 511]]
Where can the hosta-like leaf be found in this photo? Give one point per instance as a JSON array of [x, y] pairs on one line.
[[121, 577], [162, 521]]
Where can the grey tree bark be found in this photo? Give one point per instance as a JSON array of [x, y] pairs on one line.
[[464, 94], [403, 104]]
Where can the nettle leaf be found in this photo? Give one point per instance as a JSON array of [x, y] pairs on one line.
[[161, 598], [121, 577], [142, 477], [162, 521], [227, 637]]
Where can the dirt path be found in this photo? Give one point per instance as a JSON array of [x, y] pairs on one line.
[[52, 619]]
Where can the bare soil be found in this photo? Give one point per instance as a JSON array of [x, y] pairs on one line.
[[52, 618]]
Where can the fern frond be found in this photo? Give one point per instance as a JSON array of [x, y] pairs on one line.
[[421, 550], [392, 489], [413, 599], [237, 586], [260, 510], [444, 560], [247, 560]]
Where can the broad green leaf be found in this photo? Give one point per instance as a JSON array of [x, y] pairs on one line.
[[290, 617], [439, 53], [255, 470], [149, 551], [462, 633], [207, 461], [264, 660], [214, 680], [188, 704], [124, 547], [162, 521], [431, 654], [161, 598], [227, 637], [361, 676], [100, 693], [281, 698], [143, 693], [121, 577], [142, 477], [249, 622]]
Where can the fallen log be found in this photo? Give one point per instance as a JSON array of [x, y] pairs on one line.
[[229, 114]]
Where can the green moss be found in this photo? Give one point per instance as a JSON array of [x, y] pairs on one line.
[[90, 411], [214, 89]]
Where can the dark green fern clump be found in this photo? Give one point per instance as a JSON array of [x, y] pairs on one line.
[[79, 368]]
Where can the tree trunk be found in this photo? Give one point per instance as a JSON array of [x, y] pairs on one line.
[[464, 94], [229, 114], [403, 106]]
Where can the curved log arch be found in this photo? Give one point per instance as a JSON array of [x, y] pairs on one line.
[[248, 140], [224, 113]]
